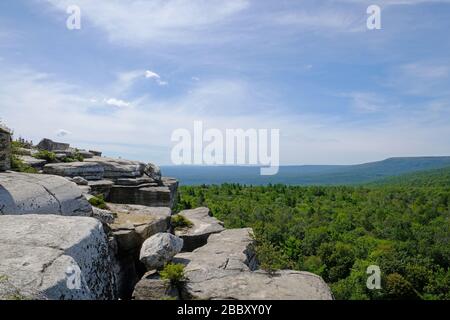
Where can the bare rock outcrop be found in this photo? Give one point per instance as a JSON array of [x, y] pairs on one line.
[[225, 268], [86, 170], [22, 193], [54, 257], [159, 249]]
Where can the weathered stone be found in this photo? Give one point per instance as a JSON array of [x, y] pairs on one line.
[[203, 225], [96, 153], [5, 148], [24, 151], [102, 187], [33, 162], [146, 221], [136, 182], [133, 224], [151, 287], [144, 195], [159, 249], [153, 171], [49, 145], [89, 171], [225, 269], [85, 154], [55, 257], [80, 181], [22, 193], [119, 168], [104, 216]]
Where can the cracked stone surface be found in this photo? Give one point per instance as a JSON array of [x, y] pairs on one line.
[[225, 268], [41, 257], [22, 193]]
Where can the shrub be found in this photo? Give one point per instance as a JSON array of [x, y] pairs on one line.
[[180, 222], [174, 273], [270, 258], [46, 155], [98, 201]]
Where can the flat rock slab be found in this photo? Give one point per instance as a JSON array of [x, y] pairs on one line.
[[89, 171], [22, 193], [119, 168], [54, 257], [225, 269], [133, 224], [203, 226]]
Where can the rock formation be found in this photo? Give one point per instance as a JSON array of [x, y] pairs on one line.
[[5, 148], [55, 245], [225, 268], [203, 225], [54, 257], [22, 193]]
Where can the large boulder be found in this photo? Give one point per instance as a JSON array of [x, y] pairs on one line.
[[49, 145], [203, 225], [22, 193], [226, 268], [119, 168], [54, 257], [159, 249], [86, 170]]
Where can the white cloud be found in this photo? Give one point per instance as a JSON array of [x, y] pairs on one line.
[[117, 103], [153, 75], [62, 133]]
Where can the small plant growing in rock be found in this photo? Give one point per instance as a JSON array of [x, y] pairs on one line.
[[46, 155], [98, 201], [174, 273], [180, 222], [269, 257]]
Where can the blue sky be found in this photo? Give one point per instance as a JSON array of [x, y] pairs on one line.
[[137, 70]]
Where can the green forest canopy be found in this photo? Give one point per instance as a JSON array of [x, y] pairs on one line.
[[401, 224]]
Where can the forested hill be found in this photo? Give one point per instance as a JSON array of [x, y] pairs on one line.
[[427, 178], [307, 174], [401, 224]]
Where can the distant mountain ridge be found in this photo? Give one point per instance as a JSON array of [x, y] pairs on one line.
[[307, 174]]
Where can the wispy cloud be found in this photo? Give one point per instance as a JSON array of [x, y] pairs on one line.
[[140, 22]]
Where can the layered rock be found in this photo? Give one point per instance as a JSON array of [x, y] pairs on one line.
[[49, 145], [203, 225], [5, 148], [86, 170], [225, 269], [22, 193], [146, 194], [119, 168], [54, 257], [159, 249], [102, 187]]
